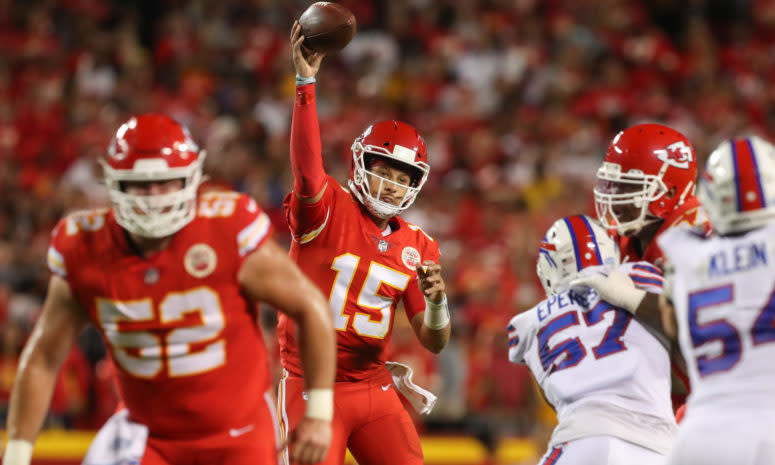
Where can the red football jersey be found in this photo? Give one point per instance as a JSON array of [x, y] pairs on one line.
[[690, 212], [364, 274], [190, 359]]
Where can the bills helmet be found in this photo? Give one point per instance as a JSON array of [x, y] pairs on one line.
[[147, 148], [648, 170], [570, 245], [737, 187], [400, 145]]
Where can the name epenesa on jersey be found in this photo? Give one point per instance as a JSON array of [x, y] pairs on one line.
[[562, 300]]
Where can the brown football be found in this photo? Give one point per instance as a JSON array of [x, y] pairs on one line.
[[327, 27]]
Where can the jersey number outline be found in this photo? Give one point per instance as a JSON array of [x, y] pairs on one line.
[[762, 331], [573, 349], [144, 353], [368, 297]]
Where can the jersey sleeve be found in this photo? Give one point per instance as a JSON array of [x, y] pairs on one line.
[[308, 220], [645, 276], [520, 334], [69, 238], [59, 248], [414, 299], [251, 223]]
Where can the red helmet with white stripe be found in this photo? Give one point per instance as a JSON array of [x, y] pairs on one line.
[[649, 169], [737, 187], [401, 146], [570, 245], [153, 148]]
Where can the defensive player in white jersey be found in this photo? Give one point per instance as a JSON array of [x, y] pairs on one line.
[[607, 377], [722, 287]]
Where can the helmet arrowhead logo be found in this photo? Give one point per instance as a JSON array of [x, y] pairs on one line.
[[676, 154]]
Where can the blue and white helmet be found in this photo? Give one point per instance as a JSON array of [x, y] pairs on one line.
[[571, 244], [737, 187]]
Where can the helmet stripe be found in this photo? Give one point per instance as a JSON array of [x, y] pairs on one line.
[[544, 248], [747, 179], [580, 228]]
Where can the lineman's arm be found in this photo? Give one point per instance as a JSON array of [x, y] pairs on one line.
[[667, 315], [432, 326], [650, 314], [270, 276], [49, 345]]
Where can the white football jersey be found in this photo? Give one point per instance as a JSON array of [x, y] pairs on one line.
[[603, 372], [723, 292]]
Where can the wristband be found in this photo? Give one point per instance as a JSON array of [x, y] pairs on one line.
[[320, 404], [17, 452], [303, 81], [436, 314]]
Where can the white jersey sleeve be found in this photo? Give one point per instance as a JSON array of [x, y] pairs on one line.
[[644, 275], [520, 332]]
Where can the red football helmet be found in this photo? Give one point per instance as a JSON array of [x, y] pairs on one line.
[[649, 169], [400, 144], [153, 147]]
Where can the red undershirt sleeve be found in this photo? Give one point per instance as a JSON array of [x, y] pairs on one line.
[[309, 177]]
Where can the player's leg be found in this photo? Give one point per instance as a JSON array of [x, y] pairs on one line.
[[291, 405], [602, 450], [553, 454], [722, 439], [388, 436], [627, 453], [253, 444]]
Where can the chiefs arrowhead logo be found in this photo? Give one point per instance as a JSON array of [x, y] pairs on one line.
[[676, 154]]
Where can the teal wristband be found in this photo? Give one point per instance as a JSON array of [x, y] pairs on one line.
[[303, 81]]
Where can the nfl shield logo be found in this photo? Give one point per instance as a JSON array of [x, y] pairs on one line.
[[151, 276], [382, 246]]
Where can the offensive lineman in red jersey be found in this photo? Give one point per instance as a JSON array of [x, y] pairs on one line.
[[645, 187], [170, 279], [353, 246]]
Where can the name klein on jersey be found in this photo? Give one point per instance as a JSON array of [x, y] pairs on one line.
[[739, 258]]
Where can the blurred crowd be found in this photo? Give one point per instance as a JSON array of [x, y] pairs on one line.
[[517, 100]]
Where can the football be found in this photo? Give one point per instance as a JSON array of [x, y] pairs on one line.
[[327, 27]]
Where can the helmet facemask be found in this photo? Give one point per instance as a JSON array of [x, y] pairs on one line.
[[156, 215], [649, 169], [363, 159], [623, 200]]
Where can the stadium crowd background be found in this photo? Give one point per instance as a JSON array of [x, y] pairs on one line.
[[517, 100]]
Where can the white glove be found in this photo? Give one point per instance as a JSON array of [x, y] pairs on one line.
[[617, 289]]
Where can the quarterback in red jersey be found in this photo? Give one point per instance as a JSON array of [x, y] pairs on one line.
[[353, 245], [170, 278]]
